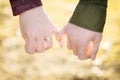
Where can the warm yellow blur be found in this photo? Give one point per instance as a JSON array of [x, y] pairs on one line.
[[58, 63]]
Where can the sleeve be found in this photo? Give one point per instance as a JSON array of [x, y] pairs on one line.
[[19, 6], [90, 14]]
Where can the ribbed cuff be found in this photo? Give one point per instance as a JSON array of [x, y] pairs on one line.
[[90, 14], [19, 6]]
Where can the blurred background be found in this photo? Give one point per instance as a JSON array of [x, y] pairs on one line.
[[58, 63]]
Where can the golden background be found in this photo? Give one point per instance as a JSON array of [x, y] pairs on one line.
[[58, 63]]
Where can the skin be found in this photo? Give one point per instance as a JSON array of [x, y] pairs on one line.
[[35, 28], [84, 43]]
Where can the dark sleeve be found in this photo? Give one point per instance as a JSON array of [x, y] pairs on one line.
[[19, 6], [90, 14]]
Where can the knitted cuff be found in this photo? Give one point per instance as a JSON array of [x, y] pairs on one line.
[[19, 6], [90, 14]]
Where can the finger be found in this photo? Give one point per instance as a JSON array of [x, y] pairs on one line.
[[30, 45], [82, 51], [69, 43], [89, 49], [40, 44], [60, 37], [96, 43], [48, 43], [60, 34], [82, 54], [74, 48], [73, 45]]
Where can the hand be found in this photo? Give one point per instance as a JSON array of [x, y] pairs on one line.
[[37, 30], [84, 43]]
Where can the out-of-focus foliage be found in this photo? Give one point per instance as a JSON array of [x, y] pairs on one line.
[[57, 63], [7, 24]]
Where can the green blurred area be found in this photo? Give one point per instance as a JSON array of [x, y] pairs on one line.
[[58, 63]]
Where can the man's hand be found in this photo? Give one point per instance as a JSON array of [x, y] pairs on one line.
[[37, 30], [84, 43]]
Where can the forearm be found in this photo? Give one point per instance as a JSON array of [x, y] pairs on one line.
[[90, 14], [19, 6]]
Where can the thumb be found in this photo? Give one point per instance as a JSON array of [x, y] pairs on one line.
[[95, 48], [60, 36]]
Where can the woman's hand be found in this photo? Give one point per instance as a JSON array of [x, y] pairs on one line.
[[37, 30]]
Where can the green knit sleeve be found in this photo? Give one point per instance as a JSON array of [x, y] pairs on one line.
[[90, 14]]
